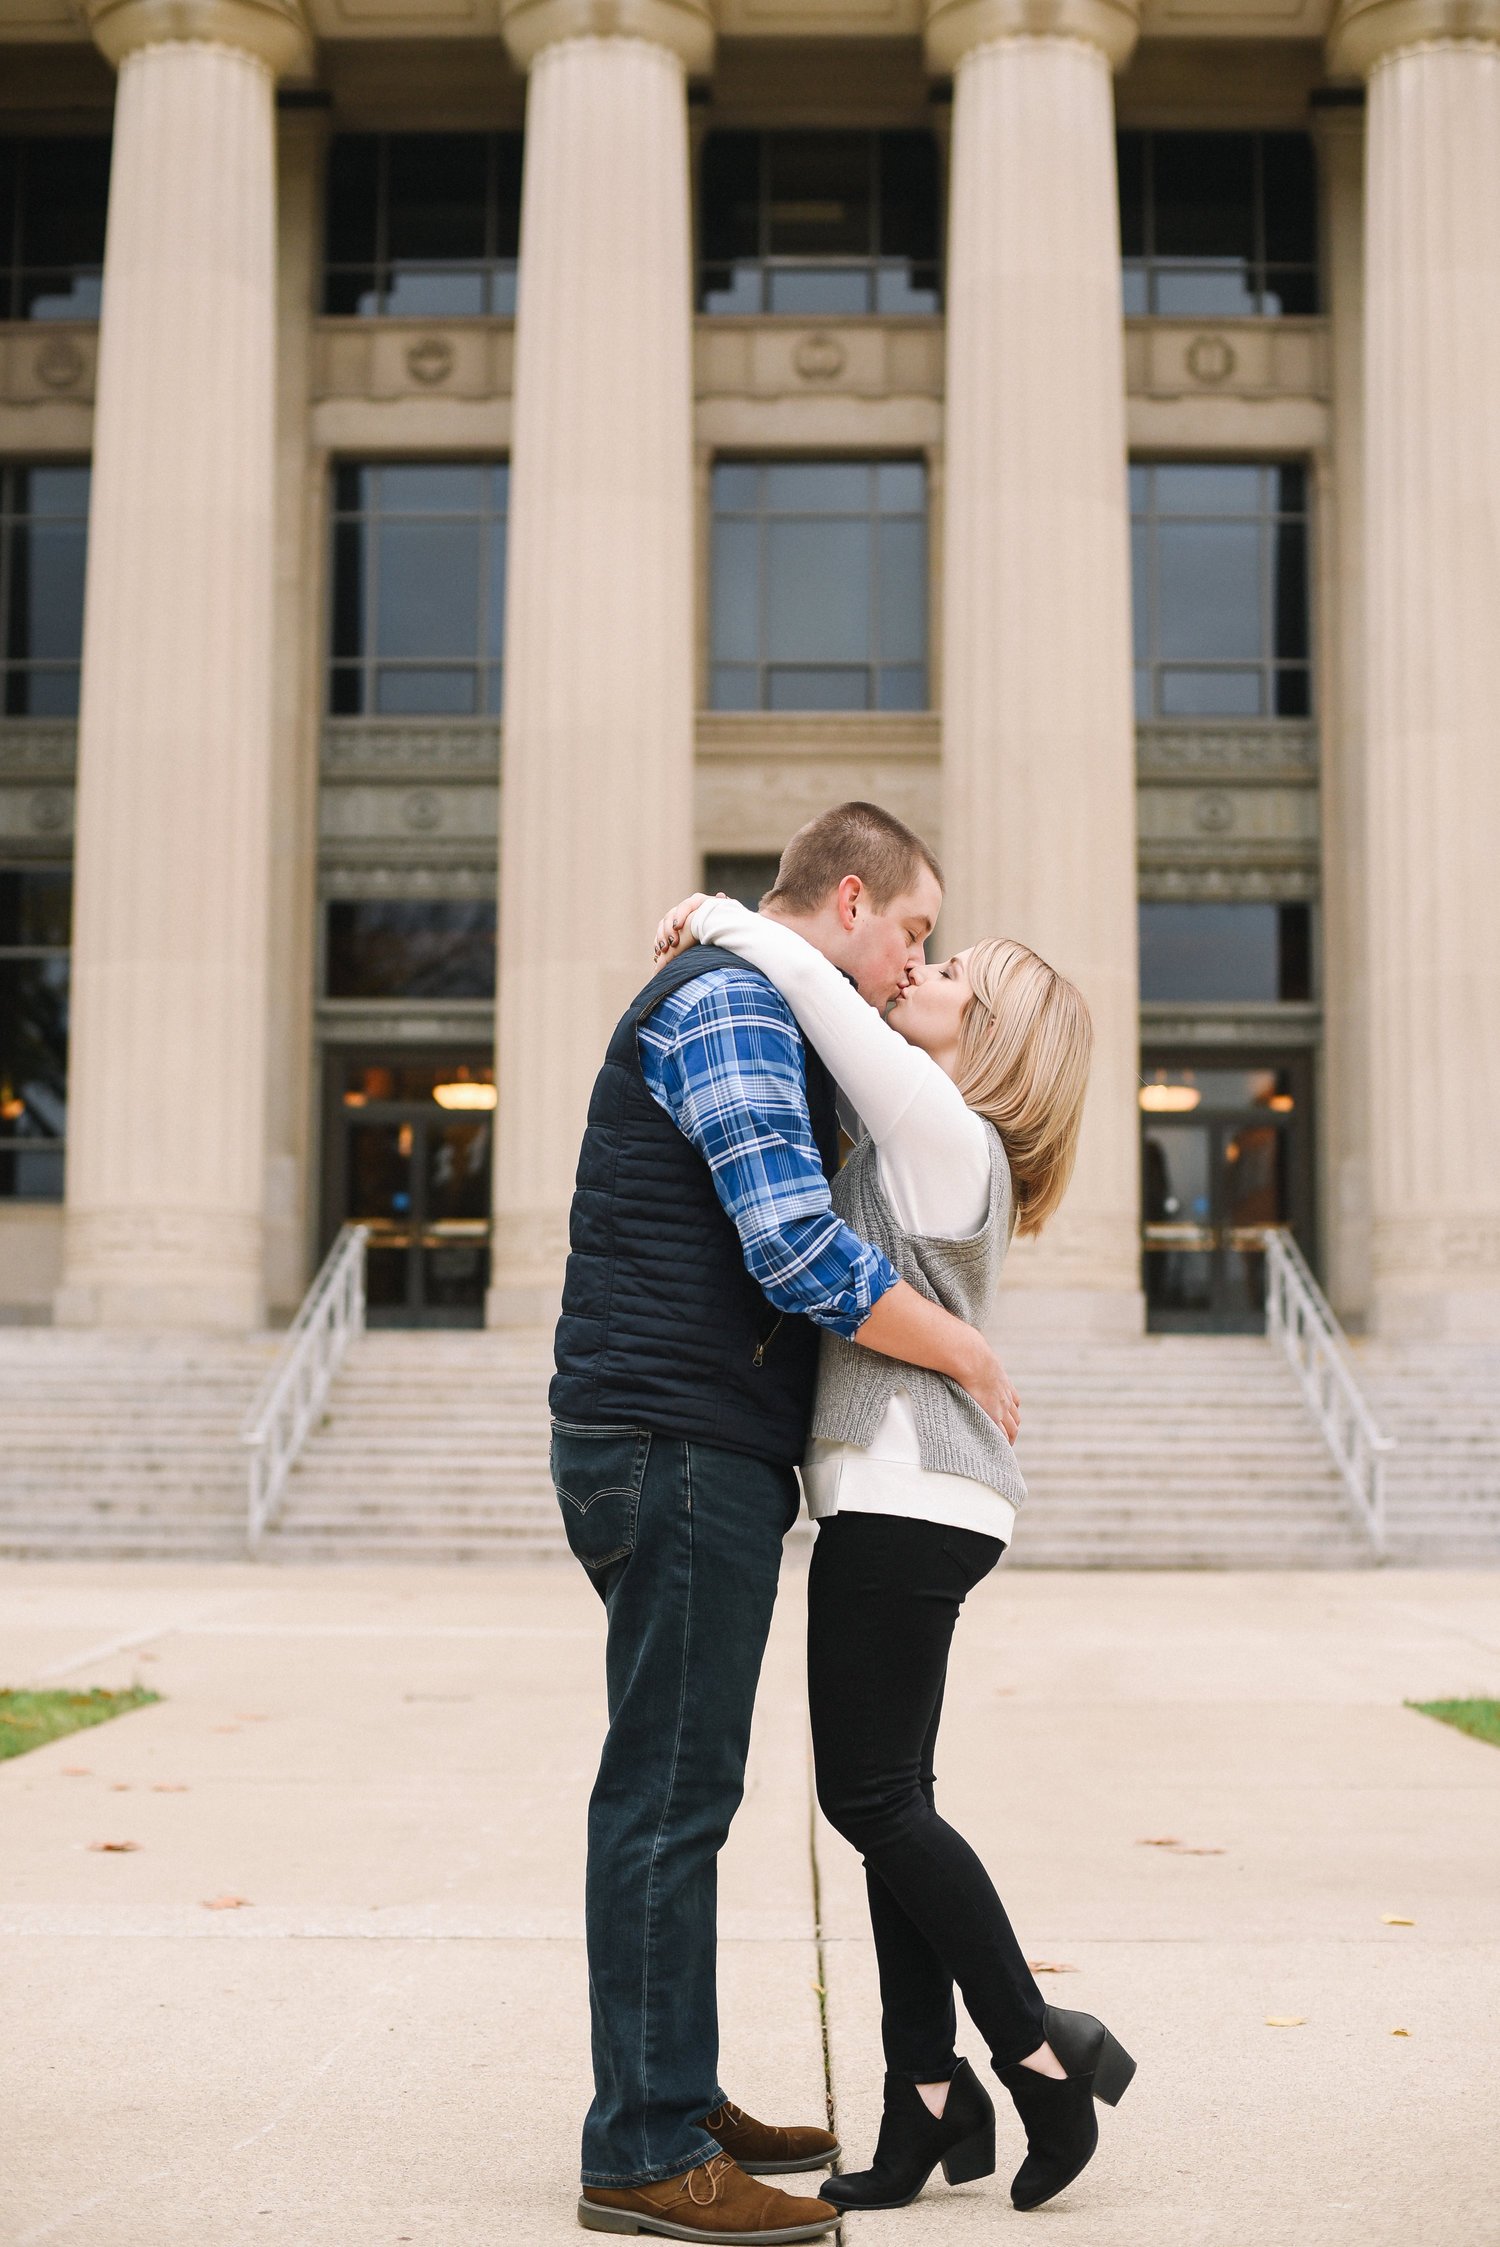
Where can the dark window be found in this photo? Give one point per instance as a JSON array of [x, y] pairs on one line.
[[411, 949], [820, 224], [43, 535], [422, 225], [1220, 581], [1218, 225], [53, 198], [1231, 953], [418, 589], [819, 585], [745, 875], [35, 917]]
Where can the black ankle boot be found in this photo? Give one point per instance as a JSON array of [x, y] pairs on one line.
[[913, 2140], [1061, 2129]]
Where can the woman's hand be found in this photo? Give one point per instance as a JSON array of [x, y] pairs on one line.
[[672, 932]]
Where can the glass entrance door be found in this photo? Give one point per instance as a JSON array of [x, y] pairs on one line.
[[409, 1156], [1225, 1151]]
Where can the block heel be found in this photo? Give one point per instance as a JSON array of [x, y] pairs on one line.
[[1112, 2071], [974, 2159]]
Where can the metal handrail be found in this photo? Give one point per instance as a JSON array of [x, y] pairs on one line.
[[1300, 1318], [292, 1396]]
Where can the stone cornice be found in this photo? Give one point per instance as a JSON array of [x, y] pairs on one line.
[[274, 31], [955, 27], [684, 26], [1365, 32]]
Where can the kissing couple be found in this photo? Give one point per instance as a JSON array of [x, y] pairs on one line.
[[738, 1306]]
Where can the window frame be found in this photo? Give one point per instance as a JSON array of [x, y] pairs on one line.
[[765, 664], [16, 267], [11, 1144], [1258, 268], [1267, 665], [871, 263], [492, 265], [487, 671], [12, 516]]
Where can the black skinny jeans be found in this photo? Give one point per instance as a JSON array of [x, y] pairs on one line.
[[883, 1597]]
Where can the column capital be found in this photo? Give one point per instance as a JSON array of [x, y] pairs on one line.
[[272, 30], [686, 27], [955, 27], [1366, 31]]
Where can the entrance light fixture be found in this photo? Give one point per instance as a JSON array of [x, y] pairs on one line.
[[1169, 1099], [464, 1093]]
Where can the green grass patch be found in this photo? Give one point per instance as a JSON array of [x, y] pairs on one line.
[[30, 1720], [1480, 1719]]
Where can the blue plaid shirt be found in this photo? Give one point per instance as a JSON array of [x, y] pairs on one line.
[[723, 1056]]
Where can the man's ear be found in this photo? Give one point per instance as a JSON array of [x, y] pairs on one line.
[[848, 898]]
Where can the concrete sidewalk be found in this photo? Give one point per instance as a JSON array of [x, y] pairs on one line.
[[388, 2041]]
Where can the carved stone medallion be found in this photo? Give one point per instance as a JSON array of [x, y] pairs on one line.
[[1210, 358], [430, 360], [59, 363], [422, 808], [818, 358]]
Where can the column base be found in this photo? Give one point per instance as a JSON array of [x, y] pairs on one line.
[[161, 1269], [509, 1306], [528, 1254]]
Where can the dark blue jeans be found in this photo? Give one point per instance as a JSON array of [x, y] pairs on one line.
[[682, 1541]]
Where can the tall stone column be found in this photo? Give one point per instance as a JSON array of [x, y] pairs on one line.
[[1038, 733], [166, 1126], [596, 806], [1432, 597]]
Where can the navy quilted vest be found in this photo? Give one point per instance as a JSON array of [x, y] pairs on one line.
[[662, 1327]]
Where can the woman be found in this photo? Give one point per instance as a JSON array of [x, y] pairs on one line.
[[971, 1094]]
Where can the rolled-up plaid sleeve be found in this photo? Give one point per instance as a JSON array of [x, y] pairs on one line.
[[724, 1057]]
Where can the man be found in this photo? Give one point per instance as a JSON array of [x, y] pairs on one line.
[[705, 1255]]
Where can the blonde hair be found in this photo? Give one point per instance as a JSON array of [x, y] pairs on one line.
[[1024, 1050]]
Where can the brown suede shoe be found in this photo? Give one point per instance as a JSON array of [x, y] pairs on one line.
[[764, 2148], [713, 2202]]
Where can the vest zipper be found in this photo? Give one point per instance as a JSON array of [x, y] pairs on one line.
[[766, 1340]]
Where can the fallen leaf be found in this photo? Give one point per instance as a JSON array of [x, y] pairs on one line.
[[119, 1786], [1286, 2020], [1396, 1919], [225, 1903], [115, 1847], [168, 1786], [1401, 2032], [1201, 1849], [244, 1716], [1050, 1966], [77, 1771], [223, 1728], [1158, 1841]]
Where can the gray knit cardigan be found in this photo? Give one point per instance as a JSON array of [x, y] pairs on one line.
[[954, 1436]]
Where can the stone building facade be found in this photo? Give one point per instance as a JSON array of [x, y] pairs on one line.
[[1071, 424]]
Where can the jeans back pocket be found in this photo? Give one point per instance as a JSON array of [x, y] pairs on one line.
[[597, 1473]]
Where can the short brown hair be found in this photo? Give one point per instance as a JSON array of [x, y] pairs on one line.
[[851, 839]]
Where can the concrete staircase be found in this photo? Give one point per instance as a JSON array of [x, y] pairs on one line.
[[124, 1446], [1167, 1453], [1441, 1402], [434, 1447], [1172, 1452]]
